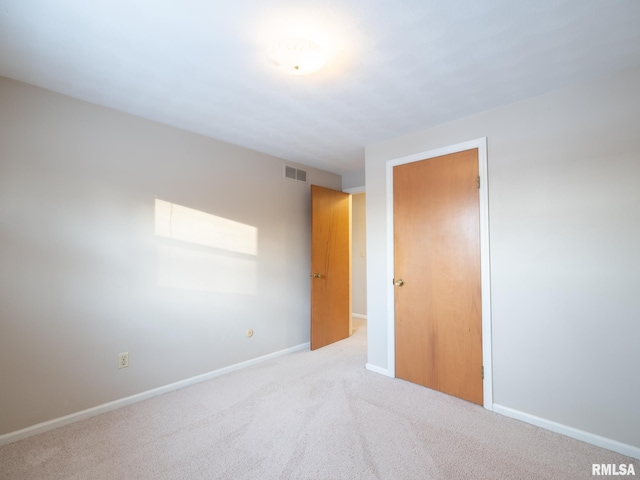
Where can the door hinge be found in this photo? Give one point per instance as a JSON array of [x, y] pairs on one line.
[[478, 181], [482, 372]]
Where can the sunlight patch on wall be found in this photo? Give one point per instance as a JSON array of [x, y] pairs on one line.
[[205, 252], [193, 226]]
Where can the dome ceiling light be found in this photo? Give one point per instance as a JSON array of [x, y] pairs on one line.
[[297, 55]]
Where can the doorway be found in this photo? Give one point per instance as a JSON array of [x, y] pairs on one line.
[[338, 264], [358, 256]]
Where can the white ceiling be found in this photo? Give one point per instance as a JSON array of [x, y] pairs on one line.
[[397, 67]]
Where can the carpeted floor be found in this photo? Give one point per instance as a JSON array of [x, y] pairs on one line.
[[308, 415]]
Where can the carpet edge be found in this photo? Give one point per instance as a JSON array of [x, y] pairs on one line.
[[138, 397], [588, 437]]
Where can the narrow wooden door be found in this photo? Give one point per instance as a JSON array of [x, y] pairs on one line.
[[330, 266], [438, 322]]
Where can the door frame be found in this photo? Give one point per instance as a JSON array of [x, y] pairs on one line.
[[485, 266]]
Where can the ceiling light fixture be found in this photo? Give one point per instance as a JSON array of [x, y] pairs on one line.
[[297, 56]]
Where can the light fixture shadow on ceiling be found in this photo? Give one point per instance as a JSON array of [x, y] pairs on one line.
[[296, 55]]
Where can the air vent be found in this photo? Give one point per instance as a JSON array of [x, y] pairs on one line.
[[290, 172], [296, 174]]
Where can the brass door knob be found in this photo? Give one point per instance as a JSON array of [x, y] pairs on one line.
[[314, 275], [398, 283]]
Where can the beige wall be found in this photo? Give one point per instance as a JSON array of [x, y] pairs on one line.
[[83, 276], [358, 255], [564, 213]]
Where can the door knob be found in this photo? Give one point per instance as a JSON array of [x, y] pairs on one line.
[[398, 283], [314, 275]]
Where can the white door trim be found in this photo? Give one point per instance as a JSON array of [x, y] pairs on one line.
[[485, 267]]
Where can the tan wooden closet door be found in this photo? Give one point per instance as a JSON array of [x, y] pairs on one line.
[[438, 322]]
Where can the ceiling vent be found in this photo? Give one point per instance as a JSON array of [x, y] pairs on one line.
[[294, 173]]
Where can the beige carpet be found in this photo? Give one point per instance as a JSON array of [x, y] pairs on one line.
[[309, 415]]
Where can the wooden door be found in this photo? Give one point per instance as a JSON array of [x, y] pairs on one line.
[[330, 266], [438, 322]]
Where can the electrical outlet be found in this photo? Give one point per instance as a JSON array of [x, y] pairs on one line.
[[123, 360], [250, 332]]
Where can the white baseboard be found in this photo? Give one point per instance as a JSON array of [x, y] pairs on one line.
[[357, 315], [609, 444], [123, 402], [376, 369]]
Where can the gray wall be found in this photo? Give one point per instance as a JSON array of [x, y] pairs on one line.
[[564, 205], [83, 277], [353, 179]]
